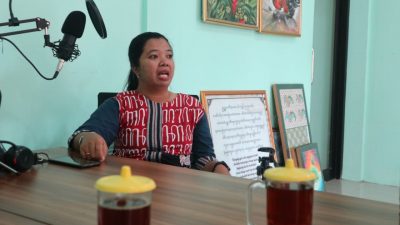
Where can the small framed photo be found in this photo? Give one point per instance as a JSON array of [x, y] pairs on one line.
[[308, 158], [237, 13], [280, 17], [291, 110]]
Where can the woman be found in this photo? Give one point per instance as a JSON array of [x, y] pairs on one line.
[[149, 122]]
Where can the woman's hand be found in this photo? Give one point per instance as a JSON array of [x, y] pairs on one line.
[[91, 146], [221, 169]]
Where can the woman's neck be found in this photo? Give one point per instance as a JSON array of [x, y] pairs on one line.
[[159, 96]]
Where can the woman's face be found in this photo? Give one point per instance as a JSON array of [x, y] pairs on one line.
[[156, 64]]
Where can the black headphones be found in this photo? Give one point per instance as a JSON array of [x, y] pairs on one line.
[[17, 158]]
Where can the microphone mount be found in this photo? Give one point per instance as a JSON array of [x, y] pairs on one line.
[[75, 52], [40, 25]]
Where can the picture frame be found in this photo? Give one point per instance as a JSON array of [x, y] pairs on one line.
[[240, 125], [308, 158], [281, 17], [236, 13], [291, 110]]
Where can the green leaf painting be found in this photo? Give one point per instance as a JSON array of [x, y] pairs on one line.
[[236, 12]]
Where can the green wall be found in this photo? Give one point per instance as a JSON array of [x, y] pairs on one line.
[[370, 150], [321, 85], [41, 114]]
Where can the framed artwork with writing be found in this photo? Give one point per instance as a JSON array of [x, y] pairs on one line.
[[237, 13], [240, 124], [291, 110], [280, 17]]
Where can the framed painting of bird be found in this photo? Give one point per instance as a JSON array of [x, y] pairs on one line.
[[280, 17]]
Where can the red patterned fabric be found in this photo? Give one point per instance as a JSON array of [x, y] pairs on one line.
[[148, 125]]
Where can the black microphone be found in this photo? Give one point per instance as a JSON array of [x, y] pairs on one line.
[[72, 28], [157, 155]]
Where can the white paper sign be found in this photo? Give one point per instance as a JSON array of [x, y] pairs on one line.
[[239, 126]]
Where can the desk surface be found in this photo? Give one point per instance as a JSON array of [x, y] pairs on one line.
[[53, 194]]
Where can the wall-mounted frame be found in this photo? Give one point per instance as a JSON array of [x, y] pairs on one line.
[[237, 13], [292, 115], [308, 158], [280, 17], [240, 124]]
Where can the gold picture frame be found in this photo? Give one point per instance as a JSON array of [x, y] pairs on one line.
[[280, 17], [240, 124], [236, 13]]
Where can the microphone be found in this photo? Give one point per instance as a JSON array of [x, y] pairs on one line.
[[72, 28], [156, 155]]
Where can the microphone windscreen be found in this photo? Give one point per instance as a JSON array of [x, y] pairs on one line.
[[74, 24]]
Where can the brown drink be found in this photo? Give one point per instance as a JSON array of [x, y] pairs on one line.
[[286, 206], [289, 195], [124, 212], [124, 199]]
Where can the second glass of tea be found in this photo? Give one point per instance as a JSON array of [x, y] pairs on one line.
[[124, 199], [289, 195]]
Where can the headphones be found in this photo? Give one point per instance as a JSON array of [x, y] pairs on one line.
[[18, 158]]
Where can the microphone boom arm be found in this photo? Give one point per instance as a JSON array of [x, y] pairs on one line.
[[40, 25]]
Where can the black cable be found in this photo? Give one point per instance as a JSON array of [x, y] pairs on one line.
[[9, 6], [13, 21], [46, 78]]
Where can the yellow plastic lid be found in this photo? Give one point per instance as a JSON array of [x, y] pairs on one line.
[[289, 173], [125, 183]]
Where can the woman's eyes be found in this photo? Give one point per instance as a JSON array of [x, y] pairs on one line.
[[169, 56], [153, 56]]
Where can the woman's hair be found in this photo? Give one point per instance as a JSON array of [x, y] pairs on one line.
[[135, 51]]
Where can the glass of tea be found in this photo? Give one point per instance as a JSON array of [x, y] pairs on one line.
[[124, 199], [289, 195]]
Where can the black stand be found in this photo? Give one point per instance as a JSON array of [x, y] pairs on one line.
[[40, 25], [266, 162]]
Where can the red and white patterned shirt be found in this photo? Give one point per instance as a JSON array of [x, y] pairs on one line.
[[146, 125]]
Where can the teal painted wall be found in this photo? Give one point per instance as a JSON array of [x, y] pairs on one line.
[[321, 85], [41, 114], [371, 128]]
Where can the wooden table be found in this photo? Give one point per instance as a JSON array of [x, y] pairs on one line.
[[52, 194]]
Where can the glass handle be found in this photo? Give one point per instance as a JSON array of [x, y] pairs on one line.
[[249, 200]]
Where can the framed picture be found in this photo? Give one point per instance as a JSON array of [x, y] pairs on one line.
[[308, 158], [240, 125], [280, 17], [292, 116], [237, 13]]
